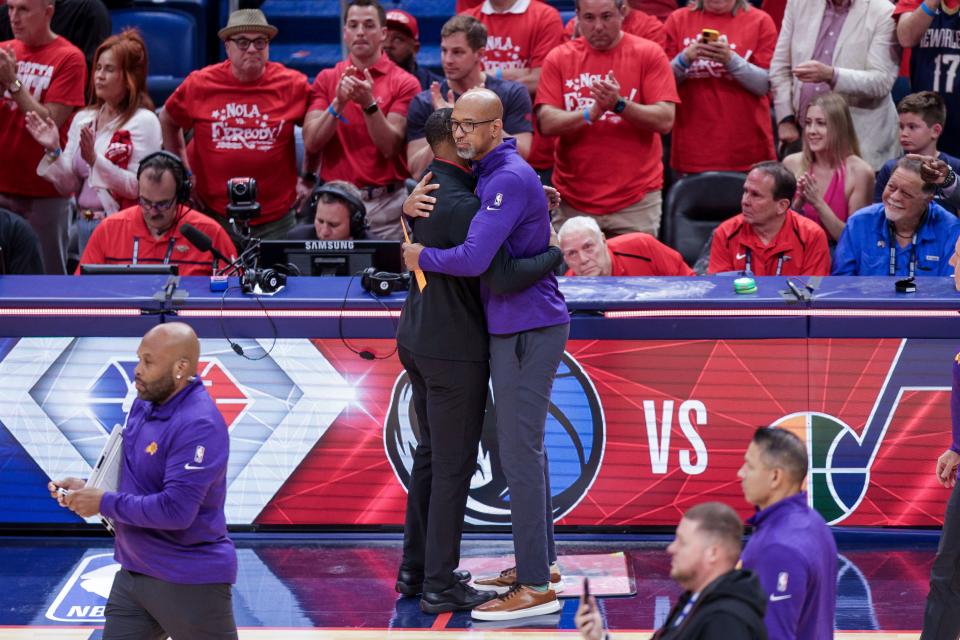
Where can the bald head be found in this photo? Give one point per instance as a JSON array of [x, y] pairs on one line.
[[477, 123], [168, 356], [482, 104]]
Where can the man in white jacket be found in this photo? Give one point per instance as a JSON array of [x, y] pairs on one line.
[[846, 46]]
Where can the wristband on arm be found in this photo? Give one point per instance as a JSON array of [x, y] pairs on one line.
[[926, 10], [336, 115]]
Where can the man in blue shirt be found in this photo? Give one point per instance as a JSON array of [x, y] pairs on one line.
[[906, 235], [791, 550], [462, 42], [177, 563], [528, 334]]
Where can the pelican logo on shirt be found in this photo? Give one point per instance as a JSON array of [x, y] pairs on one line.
[[151, 448], [181, 248]]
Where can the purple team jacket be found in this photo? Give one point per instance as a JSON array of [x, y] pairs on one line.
[[513, 210], [168, 512], [794, 554], [955, 405]]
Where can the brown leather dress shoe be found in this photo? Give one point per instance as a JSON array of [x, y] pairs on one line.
[[519, 602], [508, 577]]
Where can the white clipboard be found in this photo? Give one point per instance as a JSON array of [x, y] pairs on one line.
[[106, 472]]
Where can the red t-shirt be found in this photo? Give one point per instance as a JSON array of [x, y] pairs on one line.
[[611, 164], [640, 254], [522, 41], [801, 244], [54, 73], [775, 9], [721, 126], [351, 154], [637, 22], [463, 5], [242, 129], [113, 242]]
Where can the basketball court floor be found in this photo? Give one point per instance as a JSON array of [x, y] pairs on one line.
[[341, 587]]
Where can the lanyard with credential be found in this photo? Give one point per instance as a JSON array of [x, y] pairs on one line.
[[166, 257], [749, 272], [913, 256]]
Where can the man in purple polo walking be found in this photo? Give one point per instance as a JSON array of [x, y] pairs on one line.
[[528, 333], [791, 550], [177, 563]]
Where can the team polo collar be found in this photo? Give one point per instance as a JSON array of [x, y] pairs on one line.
[[791, 503], [166, 410], [496, 157]]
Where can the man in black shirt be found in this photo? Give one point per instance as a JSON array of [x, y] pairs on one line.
[[443, 344], [19, 246], [719, 601]]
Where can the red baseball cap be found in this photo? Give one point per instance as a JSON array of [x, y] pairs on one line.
[[403, 21]]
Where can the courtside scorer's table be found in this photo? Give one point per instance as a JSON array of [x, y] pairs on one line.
[[601, 308]]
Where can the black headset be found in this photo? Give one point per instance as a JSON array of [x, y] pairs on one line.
[[180, 174], [358, 210]]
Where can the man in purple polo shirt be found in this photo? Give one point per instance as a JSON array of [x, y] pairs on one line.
[[941, 619], [791, 550], [528, 333], [177, 563]]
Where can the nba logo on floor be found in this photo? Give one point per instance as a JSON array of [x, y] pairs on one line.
[[84, 595], [575, 436]]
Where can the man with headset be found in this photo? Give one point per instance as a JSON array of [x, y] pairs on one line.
[[149, 232], [339, 214]]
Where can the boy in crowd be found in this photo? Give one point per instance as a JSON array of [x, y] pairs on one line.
[[922, 116]]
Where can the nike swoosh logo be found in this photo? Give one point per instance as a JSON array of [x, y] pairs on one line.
[[493, 208], [190, 467], [774, 598], [741, 256]]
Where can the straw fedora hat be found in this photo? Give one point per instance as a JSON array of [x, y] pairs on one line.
[[247, 21]]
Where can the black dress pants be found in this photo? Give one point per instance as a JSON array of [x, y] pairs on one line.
[[941, 620], [449, 398]]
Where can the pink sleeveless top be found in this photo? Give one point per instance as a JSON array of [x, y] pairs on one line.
[[834, 196]]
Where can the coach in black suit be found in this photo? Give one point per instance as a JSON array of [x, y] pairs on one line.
[[443, 345]]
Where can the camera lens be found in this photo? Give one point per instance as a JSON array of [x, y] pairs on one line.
[[240, 189]]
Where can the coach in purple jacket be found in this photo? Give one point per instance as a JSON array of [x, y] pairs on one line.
[[177, 563], [791, 550], [528, 333]]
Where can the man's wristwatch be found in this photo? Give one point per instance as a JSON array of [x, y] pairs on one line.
[[372, 109], [15, 86], [621, 105]]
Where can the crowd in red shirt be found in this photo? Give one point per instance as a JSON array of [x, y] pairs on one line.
[[606, 89]]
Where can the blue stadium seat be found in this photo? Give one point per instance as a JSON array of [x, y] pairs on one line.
[[311, 58], [203, 11], [566, 16], [172, 46], [431, 16]]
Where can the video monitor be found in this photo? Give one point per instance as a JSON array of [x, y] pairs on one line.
[[129, 269], [332, 257]]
